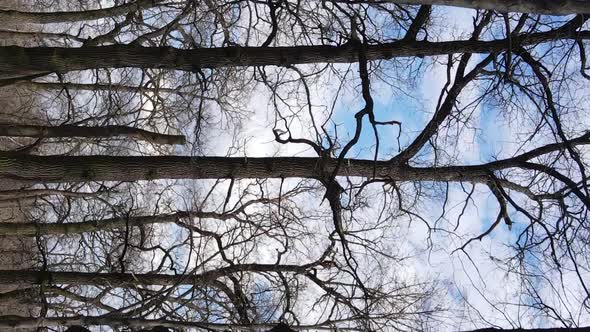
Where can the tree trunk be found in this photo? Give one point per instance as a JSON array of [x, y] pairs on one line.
[[25, 197], [9, 17], [551, 329], [20, 37], [134, 323], [33, 229], [48, 169], [109, 87], [54, 169], [19, 62], [16, 194], [18, 130], [24, 277], [549, 7]]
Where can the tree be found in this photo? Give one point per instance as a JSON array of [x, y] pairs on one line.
[[17, 130], [527, 6], [207, 236]]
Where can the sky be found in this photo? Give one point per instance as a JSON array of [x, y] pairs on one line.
[[476, 283]]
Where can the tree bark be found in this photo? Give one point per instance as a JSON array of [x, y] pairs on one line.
[[16, 194], [18, 37], [24, 277], [19, 62], [25, 197], [552, 329], [135, 323], [109, 87], [549, 7], [34, 229], [18, 130], [112, 320], [9, 17], [54, 169]]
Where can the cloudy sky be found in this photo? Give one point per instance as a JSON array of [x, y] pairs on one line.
[[477, 287]]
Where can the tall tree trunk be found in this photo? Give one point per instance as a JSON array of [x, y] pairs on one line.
[[551, 329], [33, 229], [26, 37], [550, 7], [111, 320], [23, 197], [24, 277], [47, 169], [18, 130], [135, 323], [19, 62], [109, 87], [16, 194], [8, 17]]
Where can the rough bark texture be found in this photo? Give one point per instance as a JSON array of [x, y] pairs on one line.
[[15, 16], [17, 130], [22, 38], [25, 277], [26, 197], [21, 322], [48, 169], [16, 322], [17, 194], [15, 253], [103, 87], [553, 329], [19, 62], [30, 229], [550, 7]]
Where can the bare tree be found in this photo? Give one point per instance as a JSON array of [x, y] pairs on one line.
[[210, 239]]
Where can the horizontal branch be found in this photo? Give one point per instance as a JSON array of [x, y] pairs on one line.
[[19, 130]]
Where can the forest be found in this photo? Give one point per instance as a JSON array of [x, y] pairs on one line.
[[289, 165]]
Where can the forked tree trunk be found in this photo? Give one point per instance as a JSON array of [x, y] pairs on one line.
[[47, 169], [54, 169]]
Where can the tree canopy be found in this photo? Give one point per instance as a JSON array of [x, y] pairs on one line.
[[282, 165]]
